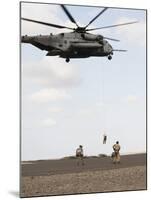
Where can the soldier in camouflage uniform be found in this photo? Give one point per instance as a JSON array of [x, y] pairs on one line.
[[116, 154]]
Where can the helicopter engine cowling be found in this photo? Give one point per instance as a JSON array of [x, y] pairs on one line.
[[91, 37]]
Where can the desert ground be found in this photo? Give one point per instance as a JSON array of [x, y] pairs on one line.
[[98, 174]]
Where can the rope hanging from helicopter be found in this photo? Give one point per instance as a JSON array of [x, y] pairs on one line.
[[100, 77]]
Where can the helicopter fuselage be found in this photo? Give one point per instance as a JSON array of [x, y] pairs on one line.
[[71, 45]]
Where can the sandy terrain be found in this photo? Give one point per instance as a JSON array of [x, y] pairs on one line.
[[85, 179]]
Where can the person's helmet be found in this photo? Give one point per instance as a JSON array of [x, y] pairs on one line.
[[117, 142], [80, 146]]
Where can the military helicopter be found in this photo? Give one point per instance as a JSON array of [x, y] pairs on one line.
[[76, 44]]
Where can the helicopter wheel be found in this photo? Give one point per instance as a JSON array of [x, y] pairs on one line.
[[67, 60], [109, 57]]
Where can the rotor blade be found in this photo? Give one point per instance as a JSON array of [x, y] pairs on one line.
[[120, 50], [47, 24], [102, 11], [69, 15], [111, 39], [112, 26]]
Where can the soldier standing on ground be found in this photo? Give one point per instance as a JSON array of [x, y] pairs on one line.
[[116, 156], [80, 154]]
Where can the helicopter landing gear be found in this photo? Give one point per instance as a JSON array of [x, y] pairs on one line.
[[109, 57], [67, 60]]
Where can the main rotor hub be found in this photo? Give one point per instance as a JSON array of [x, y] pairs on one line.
[[80, 30]]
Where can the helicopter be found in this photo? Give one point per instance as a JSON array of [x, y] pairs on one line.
[[76, 44]]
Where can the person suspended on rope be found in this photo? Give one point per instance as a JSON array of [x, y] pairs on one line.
[[80, 155], [116, 154], [104, 138]]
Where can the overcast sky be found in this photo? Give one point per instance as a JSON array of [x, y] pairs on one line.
[[67, 104]]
